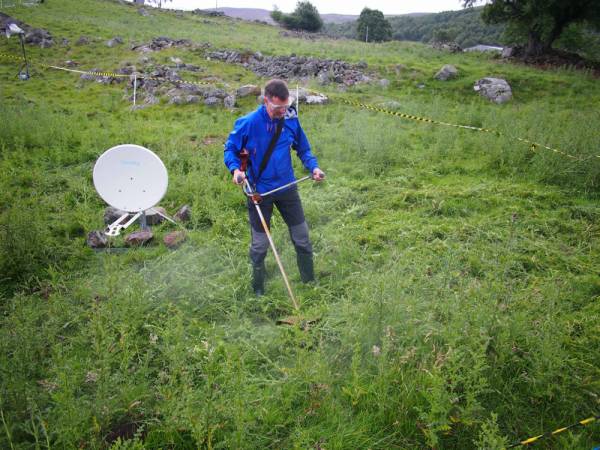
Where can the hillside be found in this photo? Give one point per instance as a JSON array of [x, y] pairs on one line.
[[465, 27], [457, 268]]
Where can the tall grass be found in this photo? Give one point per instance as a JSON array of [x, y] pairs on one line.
[[457, 282]]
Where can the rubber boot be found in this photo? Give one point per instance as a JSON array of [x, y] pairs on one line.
[[258, 278], [305, 266]]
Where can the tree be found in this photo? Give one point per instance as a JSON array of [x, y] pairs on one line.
[[379, 29], [305, 17], [540, 21]]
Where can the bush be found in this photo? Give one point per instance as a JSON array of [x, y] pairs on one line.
[[305, 17]]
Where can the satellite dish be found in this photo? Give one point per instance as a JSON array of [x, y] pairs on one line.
[[130, 177], [133, 179]]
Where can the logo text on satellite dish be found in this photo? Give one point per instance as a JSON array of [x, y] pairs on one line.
[[126, 162]]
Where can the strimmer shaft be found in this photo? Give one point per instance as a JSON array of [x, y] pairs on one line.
[[281, 269]]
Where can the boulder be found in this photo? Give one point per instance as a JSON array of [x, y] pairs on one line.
[[114, 42], [451, 47], [212, 101], [184, 214], [139, 238], [447, 72], [495, 89], [153, 217], [229, 101], [97, 239], [174, 239], [247, 90], [98, 78], [111, 214], [316, 99], [83, 40], [508, 52], [39, 36]]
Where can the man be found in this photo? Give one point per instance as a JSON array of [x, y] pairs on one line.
[[256, 132]]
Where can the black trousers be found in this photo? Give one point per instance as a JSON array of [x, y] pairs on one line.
[[289, 205]]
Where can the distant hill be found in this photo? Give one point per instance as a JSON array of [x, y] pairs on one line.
[[248, 14], [265, 15], [465, 26]]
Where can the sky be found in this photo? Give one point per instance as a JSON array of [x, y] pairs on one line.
[[326, 6]]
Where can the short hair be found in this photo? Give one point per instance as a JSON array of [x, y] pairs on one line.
[[277, 88]]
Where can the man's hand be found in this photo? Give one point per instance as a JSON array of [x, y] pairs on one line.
[[238, 177], [318, 174]]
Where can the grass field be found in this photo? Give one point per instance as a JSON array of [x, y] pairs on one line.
[[458, 271]]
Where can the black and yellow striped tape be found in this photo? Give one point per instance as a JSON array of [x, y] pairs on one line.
[[531, 440], [532, 145], [101, 74]]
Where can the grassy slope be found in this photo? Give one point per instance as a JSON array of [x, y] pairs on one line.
[[470, 261]]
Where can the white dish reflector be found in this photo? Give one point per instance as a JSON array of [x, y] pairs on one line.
[[130, 177]]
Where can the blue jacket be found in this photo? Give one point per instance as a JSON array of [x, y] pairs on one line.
[[254, 132]]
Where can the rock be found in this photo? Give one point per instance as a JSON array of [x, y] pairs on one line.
[[214, 92], [179, 98], [162, 42], [384, 83], [143, 12], [114, 42], [83, 40], [174, 239], [451, 47], [184, 214], [323, 77], [39, 36], [139, 238], [98, 78], [229, 101], [318, 99], [507, 52], [111, 214], [247, 90], [150, 99], [421, 86], [212, 101], [447, 72], [193, 89], [97, 239], [293, 66], [64, 42], [71, 63], [153, 217], [495, 89]]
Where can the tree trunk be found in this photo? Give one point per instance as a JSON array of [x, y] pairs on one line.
[[535, 45]]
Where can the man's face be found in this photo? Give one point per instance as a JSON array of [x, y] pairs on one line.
[[276, 107]]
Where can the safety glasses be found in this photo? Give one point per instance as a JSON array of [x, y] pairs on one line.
[[275, 107]]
